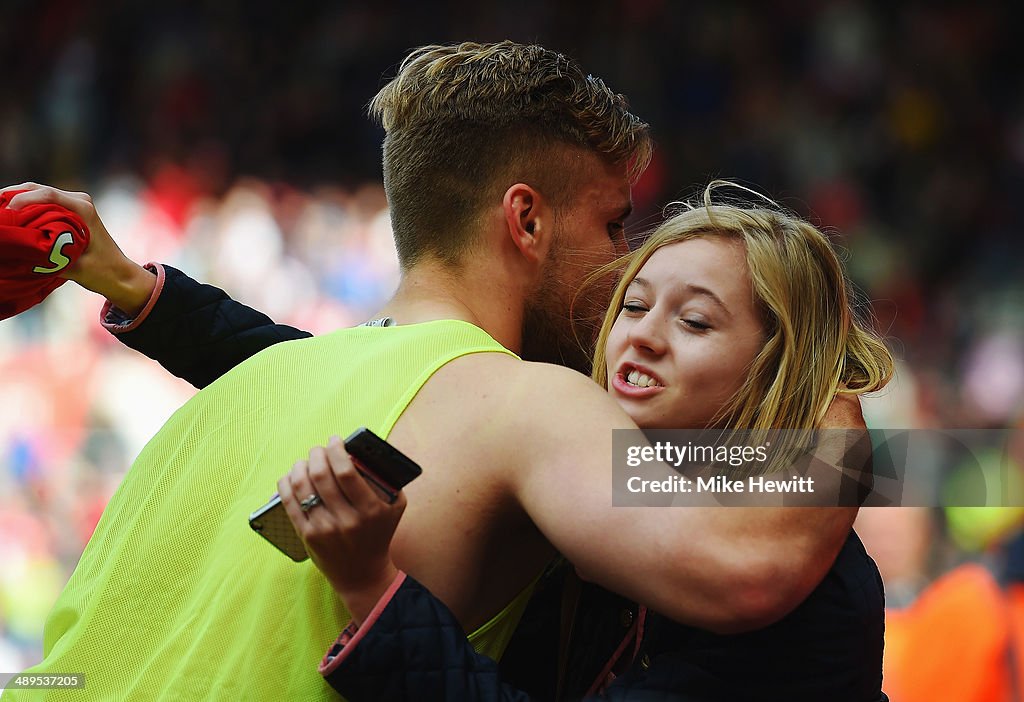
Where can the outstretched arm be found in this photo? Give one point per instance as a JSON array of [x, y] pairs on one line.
[[195, 331], [102, 267]]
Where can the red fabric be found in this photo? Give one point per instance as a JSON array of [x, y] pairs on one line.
[[36, 243]]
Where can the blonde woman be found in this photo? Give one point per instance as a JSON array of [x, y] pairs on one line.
[[726, 316]]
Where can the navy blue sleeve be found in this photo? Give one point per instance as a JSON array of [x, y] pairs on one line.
[[413, 648], [197, 332]]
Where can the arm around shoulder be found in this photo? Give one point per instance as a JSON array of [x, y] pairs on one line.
[[725, 569]]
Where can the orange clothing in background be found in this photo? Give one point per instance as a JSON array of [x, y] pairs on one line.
[[961, 641]]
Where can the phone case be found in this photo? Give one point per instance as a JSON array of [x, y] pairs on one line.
[[272, 523], [381, 463], [377, 461]]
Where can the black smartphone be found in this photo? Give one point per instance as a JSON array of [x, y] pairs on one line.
[[382, 465]]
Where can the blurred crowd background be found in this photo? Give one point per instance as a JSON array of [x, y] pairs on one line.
[[230, 139]]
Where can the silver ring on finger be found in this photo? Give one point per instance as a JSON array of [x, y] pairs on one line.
[[310, 502]]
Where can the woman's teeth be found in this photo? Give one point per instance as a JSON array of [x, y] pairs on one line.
[[641, 380]]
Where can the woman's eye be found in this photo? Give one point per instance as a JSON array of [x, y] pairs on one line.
[[696, 324], [633, 307]]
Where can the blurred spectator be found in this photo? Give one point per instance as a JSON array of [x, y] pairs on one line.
[[905, 561], [230, 139], [961, 641]]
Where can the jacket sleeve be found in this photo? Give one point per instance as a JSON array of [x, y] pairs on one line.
[[411, 647], [195, 331]]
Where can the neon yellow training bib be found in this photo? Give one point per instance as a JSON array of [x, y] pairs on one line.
[[175, 597]]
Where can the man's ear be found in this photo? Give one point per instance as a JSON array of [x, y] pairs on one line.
[[528, 220]]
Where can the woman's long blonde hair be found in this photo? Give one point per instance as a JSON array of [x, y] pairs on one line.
[[816, 343]]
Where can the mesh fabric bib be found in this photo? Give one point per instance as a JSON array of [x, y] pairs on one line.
[[175, 598]]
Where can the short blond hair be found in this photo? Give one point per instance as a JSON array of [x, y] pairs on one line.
[[817, 341], [465, 122]]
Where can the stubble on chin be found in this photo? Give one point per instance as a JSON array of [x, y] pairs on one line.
[[550, 338], [555, 330]]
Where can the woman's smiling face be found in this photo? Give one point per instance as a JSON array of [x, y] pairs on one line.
[[687, 332]]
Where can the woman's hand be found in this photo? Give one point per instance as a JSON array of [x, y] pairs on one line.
[[348, 529], [103, 267]]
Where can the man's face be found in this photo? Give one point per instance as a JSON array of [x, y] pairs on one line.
[[589, 234]]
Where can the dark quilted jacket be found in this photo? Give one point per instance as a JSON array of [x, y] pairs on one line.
[[198, 333], [828, 649]]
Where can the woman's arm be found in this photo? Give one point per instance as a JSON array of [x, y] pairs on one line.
[[411, 647], [195, 331]]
